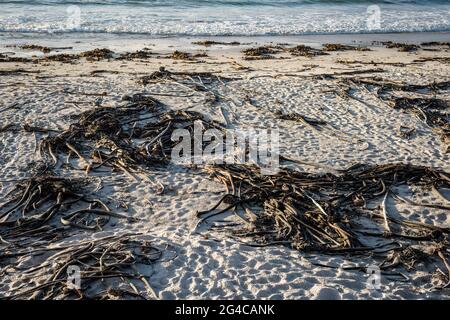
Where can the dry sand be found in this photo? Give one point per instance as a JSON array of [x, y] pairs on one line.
[[211, 264]]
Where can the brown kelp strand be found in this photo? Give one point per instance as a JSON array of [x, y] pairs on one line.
[[208, 43], [107, 268], [47, 202], [328, 212]]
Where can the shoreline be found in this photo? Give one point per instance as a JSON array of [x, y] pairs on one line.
[[88, 41]]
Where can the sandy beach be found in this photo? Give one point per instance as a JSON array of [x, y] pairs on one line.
[[347, 118]]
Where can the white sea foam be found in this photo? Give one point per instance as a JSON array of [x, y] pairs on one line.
[[220, 19]]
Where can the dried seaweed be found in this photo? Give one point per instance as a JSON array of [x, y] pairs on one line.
[[36, 205], [343, 47], [436, 44], [306, 51], [7, 58], [92, 55], [108, 269], [145, 53], [107, 136], [97, 54], [402, 47], [208, 43], [444, 60], [326, 212], [261, 53], [35, 47], [62, 57]]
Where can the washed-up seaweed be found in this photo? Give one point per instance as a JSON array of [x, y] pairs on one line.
[[432, 111], [208, 43], [261, 53], [45, 202], [8, 58], [374, 63], [17, 71], [36, 47], [105, 268], [306, 51], [342, 47], [402, 47], [62, 57], [107, 136], [436, 44], [444, 60], [180, 55], [102, 134], [145, 53], [329, 212], [97, 54], [92, 55]]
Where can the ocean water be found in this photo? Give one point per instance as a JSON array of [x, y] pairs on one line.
[[223, 17]]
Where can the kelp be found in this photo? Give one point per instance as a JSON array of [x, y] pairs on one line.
[[208, 43], [129, 138], [34, 203], [327, 212], [306, 51], [102, 268], [343, 47], [97, 54], [145, 53], [402, 47], [261, 53]]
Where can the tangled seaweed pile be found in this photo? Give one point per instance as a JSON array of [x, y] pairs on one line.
[[35, 207], [108, 136], [102, 261], [329, 213]]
